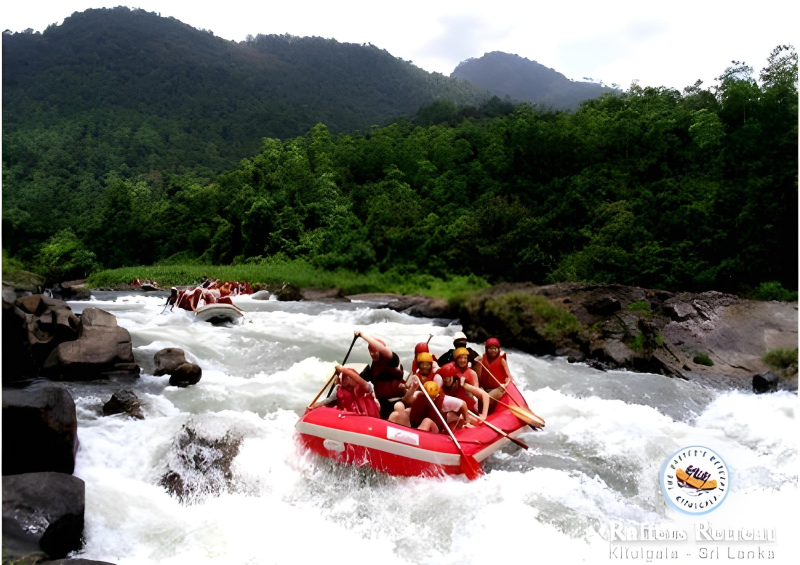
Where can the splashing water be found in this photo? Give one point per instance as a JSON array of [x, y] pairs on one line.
[[597, 460]]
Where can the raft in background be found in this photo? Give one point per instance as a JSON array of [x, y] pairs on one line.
[[218, 313]]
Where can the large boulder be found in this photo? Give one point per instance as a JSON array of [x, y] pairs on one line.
[[102, 349], [49, 507], [324, 295], [185, 375], [421, 306], [40, 430], [289, 293], [261, 295], [168, 359], [124, 402]]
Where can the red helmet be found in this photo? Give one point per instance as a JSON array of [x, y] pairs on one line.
[[421, 348], [449, 370], [492, 342]]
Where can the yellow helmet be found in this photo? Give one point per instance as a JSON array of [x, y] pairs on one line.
[[424, 358], [459, 352], [432, 388]]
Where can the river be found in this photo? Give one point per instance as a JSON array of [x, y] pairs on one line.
[[596, 461]]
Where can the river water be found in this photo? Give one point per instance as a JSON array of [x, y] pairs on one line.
[[596, 462]]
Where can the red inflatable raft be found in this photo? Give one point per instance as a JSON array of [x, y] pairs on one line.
[[354, 439]]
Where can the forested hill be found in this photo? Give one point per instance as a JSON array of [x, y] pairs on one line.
[[526, 81], [135, 93]]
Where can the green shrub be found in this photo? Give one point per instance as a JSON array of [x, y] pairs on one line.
[[659, 340], [703, 359], [774, 291], [781, 358], [64, 256], [642, 306], [520, 310], [639, 343]]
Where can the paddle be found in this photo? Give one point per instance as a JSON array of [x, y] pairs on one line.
[[523, 414], [471, 468], [333, 376], [520, 443]]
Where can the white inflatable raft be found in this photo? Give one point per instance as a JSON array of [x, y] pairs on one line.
[[218, 313]]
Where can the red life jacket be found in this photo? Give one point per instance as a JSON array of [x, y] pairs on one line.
[[356, 400], [456, 389], [497, 369], [421, 409]]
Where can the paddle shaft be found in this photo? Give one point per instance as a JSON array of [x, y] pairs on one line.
[[506, 391], [520, 443], [333, 376]]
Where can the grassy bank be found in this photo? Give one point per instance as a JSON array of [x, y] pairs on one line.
[[299, 273]]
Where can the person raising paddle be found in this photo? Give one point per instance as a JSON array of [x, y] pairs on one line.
[[385, 373]]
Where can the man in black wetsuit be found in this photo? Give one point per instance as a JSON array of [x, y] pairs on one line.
[[385, 373], [459, 340], [172, 299]]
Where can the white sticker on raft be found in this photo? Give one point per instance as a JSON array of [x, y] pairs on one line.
[[333, 445], [402, 436]]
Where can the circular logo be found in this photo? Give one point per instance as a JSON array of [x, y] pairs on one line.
[[694, 480]]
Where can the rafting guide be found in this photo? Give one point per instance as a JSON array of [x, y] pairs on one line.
[[694, 480]]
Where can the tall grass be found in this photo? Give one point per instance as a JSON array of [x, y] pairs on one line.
[[297, 272]]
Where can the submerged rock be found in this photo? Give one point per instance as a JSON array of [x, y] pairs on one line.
[[185, 375], [199, 466], [124, 402], [768, 382], [48, 507], [40, 430]]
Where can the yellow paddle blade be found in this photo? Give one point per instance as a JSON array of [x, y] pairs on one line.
[[526, 416]]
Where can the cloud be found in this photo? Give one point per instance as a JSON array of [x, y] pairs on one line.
[[463, 36]]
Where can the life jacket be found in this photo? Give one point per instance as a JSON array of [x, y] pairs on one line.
[[497, 369], [421, 409], [456, 388], [354, 399], [387, 380]]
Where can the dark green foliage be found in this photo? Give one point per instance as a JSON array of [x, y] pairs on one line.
[[773, 290], [702, 358], [527, 81], [649, 187], [64, 257], [781, 358]]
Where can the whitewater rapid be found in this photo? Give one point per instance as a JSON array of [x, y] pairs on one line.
[[596, 461]]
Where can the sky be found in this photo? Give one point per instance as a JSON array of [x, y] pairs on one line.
[[670, 43]]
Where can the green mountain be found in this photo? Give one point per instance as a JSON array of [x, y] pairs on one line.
[[129, 92], [526, 81]]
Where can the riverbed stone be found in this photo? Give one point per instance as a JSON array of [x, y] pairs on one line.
[[49, 506], [94, 317], [261, 295], [40, 430], [167, 360], [766, 382], [124, 402], [185, 375]]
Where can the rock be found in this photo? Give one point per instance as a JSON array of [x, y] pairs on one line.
[[20, 547], [185, 375], [49, 506], [603, 305], [94, 317], [167, 360], [102, 349], [36, 304], [124, 402], [767, 382], [576, 357], [324, 295], [199, 465], [421, 306], [261, 295], [40, 430], [679, 310], [289, 293]]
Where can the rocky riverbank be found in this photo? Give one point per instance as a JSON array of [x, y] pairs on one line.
[[714, 337]]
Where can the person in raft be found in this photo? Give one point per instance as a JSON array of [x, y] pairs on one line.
[[354, 394], [385, 373], [425, 418], [425, 372], [462, 382], [459, 340], [492, 369], [422, 347], [172, 299]]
